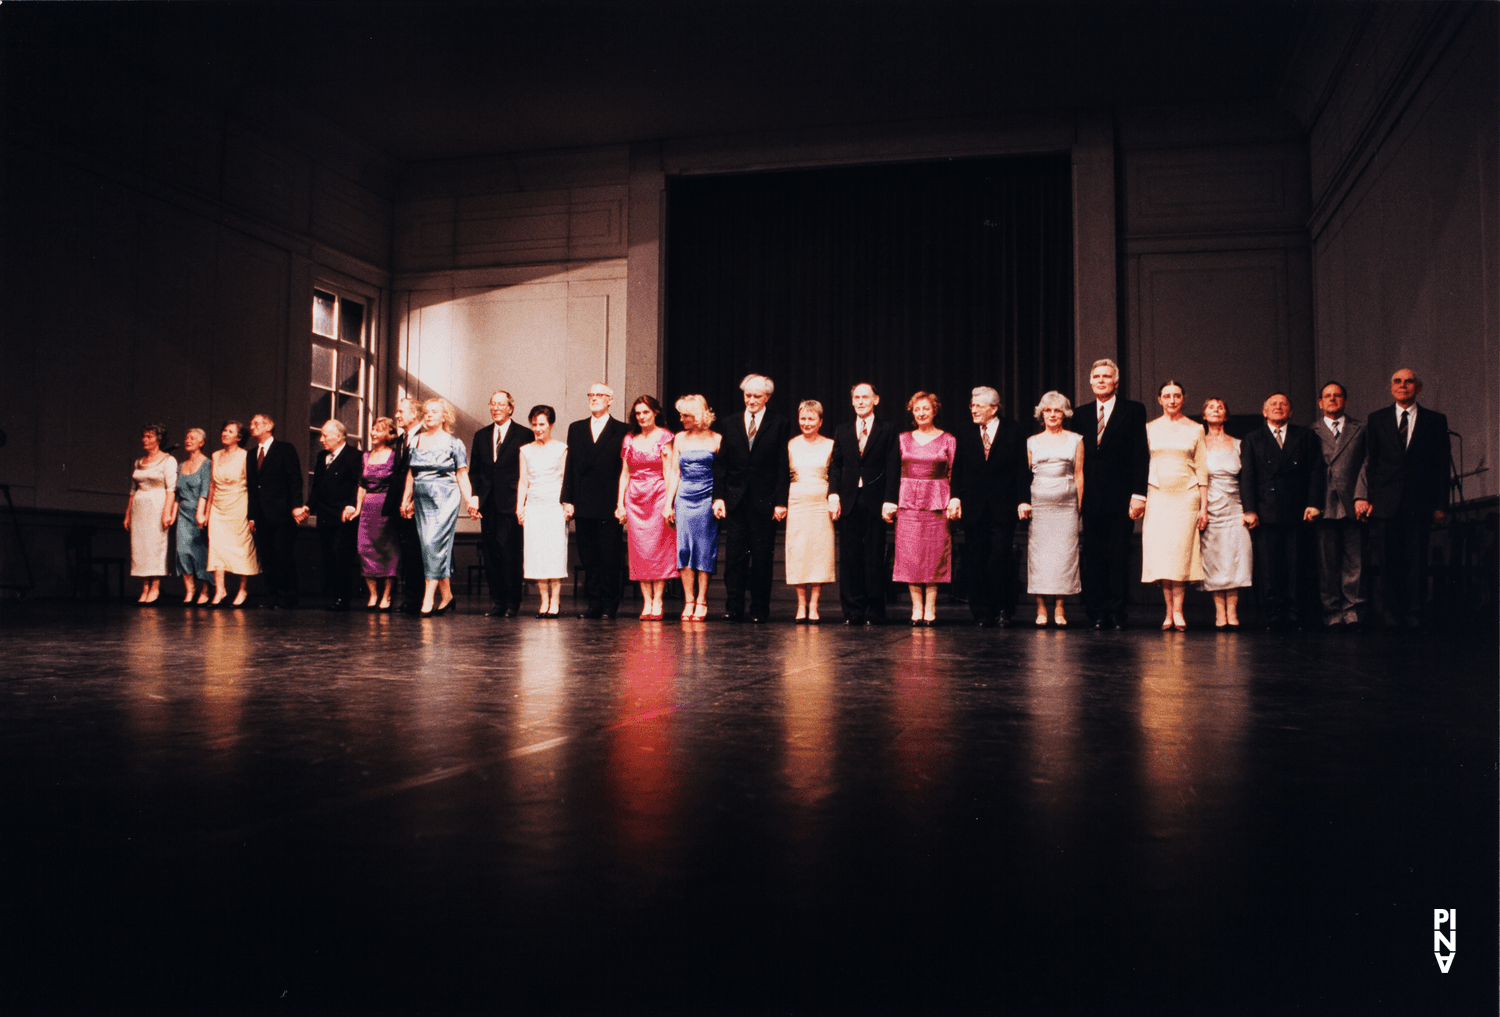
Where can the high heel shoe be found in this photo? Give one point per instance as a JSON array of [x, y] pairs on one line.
[[1180, 626], [1166, 626]]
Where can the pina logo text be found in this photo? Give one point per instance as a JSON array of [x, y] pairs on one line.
[[1445, 918]]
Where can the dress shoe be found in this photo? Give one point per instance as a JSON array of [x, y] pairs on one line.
[[815, 621], [985, 623], [733, 616], [1101, 625], [591, 614], [496, 611], [1119, 625], [757, 619], [853, 622], [410, 609]]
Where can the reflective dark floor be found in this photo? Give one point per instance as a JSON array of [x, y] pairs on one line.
[[264, 812]]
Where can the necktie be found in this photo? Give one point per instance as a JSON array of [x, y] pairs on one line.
[[495, 452], [1099, 434], [260, 458], [984, 435], [754, 426], [1405, 427], [328, 459], [864, 435], [1338, 429], [1280, 441]]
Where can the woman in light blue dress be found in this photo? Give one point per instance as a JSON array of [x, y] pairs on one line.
[[689, 504], [193, 479], [437, 486]]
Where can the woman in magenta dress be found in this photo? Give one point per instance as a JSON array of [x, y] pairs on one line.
[[642, 505], [924, 549], [378, 553]]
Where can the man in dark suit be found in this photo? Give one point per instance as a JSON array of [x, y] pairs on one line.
[[1341, 537], [408, 418], [590, 491], [990, 479], [1116, 463], [1408, 458], [1283, 481], [494, 469], [273, 475], [863, 475], [751, 480], [332, 499]]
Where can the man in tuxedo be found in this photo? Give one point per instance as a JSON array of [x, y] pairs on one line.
[[273, 475], [990, 479], [751, 480], [332, 499], [1283, 482], [1116, 463], [408, 418], [1408, 454], [590, 490], [494, 468], [863, 475], [1341, 537]]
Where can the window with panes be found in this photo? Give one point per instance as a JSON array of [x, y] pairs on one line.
[[343, 366]]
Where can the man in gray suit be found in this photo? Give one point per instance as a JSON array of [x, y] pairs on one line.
[[1341, 537]]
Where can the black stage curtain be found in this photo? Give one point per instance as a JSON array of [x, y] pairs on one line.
[[925, 276]]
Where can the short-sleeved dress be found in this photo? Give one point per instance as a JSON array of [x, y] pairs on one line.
[[924, 548], [148, 499], [1179, 473], [192, 539], [809, 528], [378, 553], [1227, 551], [436, 498], [697, 529], [544, 540], [653, 544], [231, 546], [1052, 544]]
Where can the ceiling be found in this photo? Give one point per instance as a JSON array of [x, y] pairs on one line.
[[432, 81]]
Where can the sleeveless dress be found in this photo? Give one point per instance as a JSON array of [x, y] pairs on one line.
[[378, 553], [653, 545], [697, 529], [436, 498], [809, 528], [1179, 473], [192, 539], [148, 498], [231, 546], [924, 548], [1052, 545], [1227, 553], [544, 538]]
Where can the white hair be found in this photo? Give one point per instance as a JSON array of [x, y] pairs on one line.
[[765, 384], [599, 384], [986, 393], [1106, 362], [1053, 399]]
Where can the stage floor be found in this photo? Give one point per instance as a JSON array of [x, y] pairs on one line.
[[216, 812]]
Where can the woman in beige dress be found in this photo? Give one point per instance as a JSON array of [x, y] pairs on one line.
[[148, 512], [231, 545], [809, 519], [1175, 507]]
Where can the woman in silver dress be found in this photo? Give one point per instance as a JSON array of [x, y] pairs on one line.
[[1227, 554], [1056, 459]]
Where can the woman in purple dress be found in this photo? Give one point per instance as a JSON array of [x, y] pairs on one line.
[[378, 554], [924, 549], [642, 503]]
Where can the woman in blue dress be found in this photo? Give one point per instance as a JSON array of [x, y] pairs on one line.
[[192, 540], [689, 503], [437, 486]]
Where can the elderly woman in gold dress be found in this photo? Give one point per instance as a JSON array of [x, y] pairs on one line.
[[1176, 509], [809, 519]]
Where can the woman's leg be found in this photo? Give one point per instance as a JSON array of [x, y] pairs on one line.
[[801, 602], [445, 592], [929, 606], [1178, 590], [1166, 596], [429, 593], [190, 586], [1232, 607], [814, 591], [243, 592], [1059, 615], [1041, 611], [1221, 616], [219, 592], [916, 600]]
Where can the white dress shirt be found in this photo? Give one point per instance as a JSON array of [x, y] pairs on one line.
[[596, 424]]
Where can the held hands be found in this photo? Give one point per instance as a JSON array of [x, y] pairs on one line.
[[1023, 511], [1202, 519], [1251, 520], [408, 508], [1137, 508], [719, 510], [474, 507], [1309, 514], [202, 515], [350, 513], [954, 510], [670, 515], [888, 512], [834, 509], [567, 510], [521, 514], [619, 514], [1361, 509], [778, 513], [300, 514]]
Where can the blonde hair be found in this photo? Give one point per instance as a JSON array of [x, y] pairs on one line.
[[810, 404], [699, 406], [450, 414], [1050, 399]]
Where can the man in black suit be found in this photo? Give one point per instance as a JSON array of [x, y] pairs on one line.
[[273, 475], [494, 469], [751, 480], [1283, 483], [863, 475], [1408, 454], [1116, 463], [990, 479], [590, 491], [333, 498], [408, 418]]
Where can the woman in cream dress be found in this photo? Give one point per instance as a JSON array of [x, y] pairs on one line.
[[809, 524], [1227, 552], [231, 544], [1175, 507], [148, 512]]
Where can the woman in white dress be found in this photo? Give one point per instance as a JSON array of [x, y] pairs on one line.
[[544, 540], [1227, 552], [809, 519], [1175, 507], [1056, 460], [148, 512]]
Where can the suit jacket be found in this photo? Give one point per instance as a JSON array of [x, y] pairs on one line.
[[879, 466], [757, 476], [1345, 462], [495, 477], [1280, 482], [400, 467], [276, 487], [1411, 478], [335, 487], [1118, 464], [994, 485], [591, 476]]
